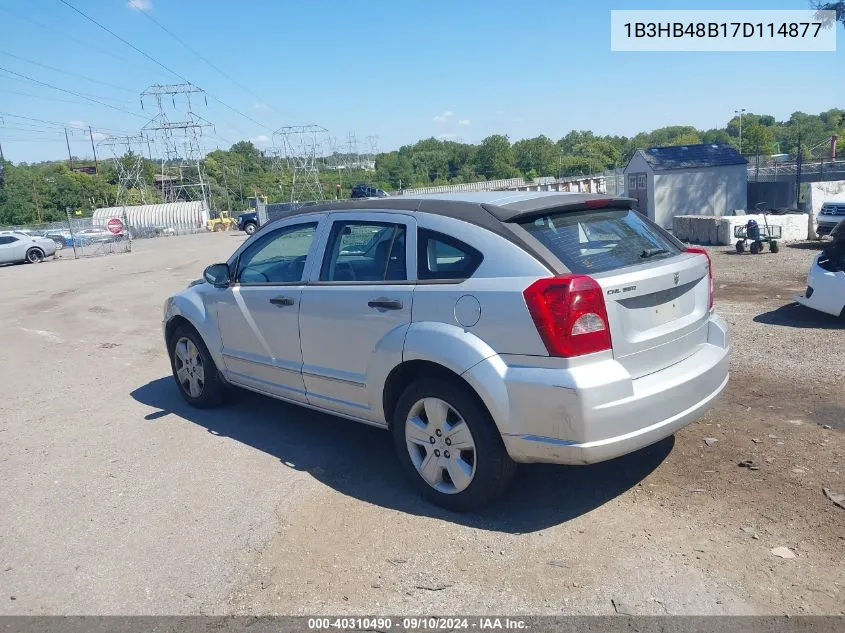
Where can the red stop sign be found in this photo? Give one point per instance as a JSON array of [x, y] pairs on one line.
[[115, 226]]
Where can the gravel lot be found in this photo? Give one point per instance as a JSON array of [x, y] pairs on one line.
[[119, 499]]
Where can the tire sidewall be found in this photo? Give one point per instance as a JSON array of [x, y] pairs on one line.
[[212, 386], [250, 229], [489, 448], [39, 256]]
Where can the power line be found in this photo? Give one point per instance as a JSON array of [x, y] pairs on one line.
[[82, 94], [154, 60], [209, 63], [57, 123], [71, 92], [67, 72], [65, 35], [48, 98]]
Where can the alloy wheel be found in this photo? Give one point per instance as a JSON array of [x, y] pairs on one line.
[[440, 445], [190, 372]]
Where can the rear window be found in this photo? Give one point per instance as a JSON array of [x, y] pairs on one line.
[[598, 240]]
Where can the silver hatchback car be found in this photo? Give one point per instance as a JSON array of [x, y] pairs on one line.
[[481, 329]]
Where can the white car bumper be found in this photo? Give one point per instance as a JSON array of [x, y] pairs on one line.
[[608, 413], [825, 290]]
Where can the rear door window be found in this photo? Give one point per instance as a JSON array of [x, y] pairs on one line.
[[595, 241]]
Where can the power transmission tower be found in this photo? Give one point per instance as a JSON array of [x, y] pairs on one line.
[[372, 152], [300, 147], [128, 160], [179, 141]]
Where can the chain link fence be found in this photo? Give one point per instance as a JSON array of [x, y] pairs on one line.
[[112, 230], [78, 237]]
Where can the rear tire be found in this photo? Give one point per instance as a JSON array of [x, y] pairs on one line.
[[482, 467], [35, 256], [773, 246], [755, 247], [250, 228], [740, 246], [218, 228], [194, 370], [59, 244]]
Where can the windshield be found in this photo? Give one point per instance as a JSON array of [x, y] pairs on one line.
[[589, 242]]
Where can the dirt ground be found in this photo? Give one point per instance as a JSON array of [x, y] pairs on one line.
[[117, 498]]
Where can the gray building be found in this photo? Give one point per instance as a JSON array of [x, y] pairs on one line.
[[687, 180]]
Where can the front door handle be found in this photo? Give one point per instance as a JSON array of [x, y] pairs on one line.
[[282, 301], [385, 304]]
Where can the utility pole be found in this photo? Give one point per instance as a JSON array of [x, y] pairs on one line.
[[94, 149], [1, 152], [740, 127], [798, 163], [39, 213], [69, 157]]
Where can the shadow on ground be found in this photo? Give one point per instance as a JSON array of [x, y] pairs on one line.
[[359, 461], [798, 316], [808, 246]]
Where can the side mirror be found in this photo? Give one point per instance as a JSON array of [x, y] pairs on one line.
[[217, 275]]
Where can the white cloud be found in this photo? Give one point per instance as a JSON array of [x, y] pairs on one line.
[[464, 122], [446, 137], [140, 5], [445, 116], [99, 136], [77, 125], [261, 139]]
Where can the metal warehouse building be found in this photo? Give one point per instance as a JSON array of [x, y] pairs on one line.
[[180, 216], [687, 180]]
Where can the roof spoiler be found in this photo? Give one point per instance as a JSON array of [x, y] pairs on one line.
[[610, 202]]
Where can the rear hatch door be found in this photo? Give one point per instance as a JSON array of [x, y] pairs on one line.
[[657, 294]]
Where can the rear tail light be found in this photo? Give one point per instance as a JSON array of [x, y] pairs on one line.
[[702, 251], [570, 314]]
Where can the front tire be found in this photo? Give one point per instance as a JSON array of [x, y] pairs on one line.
[[449, 447], [35, 256], [756, 247], [740, 246], [773, 246], [250, 228], [194, 370]]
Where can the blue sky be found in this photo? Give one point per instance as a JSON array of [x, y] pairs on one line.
[[402, 70]]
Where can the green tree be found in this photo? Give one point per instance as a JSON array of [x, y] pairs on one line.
[[495, 158]]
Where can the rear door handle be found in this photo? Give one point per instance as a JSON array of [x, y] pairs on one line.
[[282, 301], [385, 304]]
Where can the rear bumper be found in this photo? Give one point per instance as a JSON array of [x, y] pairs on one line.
[[825, 290], [596, 412]]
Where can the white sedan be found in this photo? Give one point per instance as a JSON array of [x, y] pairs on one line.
[[826, 280], [20, 247]]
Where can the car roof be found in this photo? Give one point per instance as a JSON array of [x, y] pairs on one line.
[[477, 207]]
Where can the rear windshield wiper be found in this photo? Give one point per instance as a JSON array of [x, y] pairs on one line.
[[651, 252]]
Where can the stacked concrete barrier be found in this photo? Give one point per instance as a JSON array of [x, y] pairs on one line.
[[710, 229]]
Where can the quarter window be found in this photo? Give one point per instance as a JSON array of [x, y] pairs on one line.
[[365, 251], [278, 257], [440, 256]]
